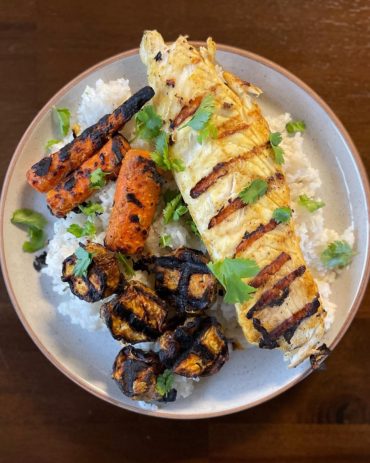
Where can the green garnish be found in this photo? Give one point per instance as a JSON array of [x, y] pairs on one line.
[[88, 229], [165, 241], [51, 143], [161, 155], [63, 117], [201, 120], [34, 223], [295, 126], [83, 260], [253, 191], [164, 382], [126, 265], [282, 214], [309, 203], [193, 227], [148, 123], [91, 208], [174, 209], [97, 179], [229, 272], [337, 254], [275, 140]]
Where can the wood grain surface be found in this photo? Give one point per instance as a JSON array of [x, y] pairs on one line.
[[44, 417]]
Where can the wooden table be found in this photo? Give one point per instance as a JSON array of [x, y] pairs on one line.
[[44, 417]]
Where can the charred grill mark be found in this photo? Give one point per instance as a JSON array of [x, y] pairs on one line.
[[263, 276], [250, 238], [266, 342], [186, 111], [149, 166], [41, 167], [221, 169], [135, 322], [231, 131], [278, 293], [158, 56], [131, 198], [69, 183], [116, 148]]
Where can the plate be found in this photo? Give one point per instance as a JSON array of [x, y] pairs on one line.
[[251, 376]]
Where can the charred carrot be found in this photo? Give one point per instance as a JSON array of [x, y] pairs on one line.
[[49, 171], [135, 202], [76, 188]]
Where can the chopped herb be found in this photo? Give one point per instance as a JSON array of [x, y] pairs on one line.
[[63, 118], [295, 126], [253, 191], [88, 229], [309, 203], [174, 209], [337, 255], [161, 155], [126, 265], [34, 223], [51, 143], [36, 240], [97, 179], [282, 214], [83, 261], [193, 227], [229, 272], [148, 123], [201, 120], [164, 382], [91, 208], [275, 140], [165, 241], [75, 230]]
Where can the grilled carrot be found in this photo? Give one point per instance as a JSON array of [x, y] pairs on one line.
[[135, 202], [75, 189], [49, 171]]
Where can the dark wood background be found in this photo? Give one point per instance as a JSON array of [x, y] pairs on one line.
[[44, 417]]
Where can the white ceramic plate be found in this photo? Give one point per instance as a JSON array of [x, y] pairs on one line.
[[251, 376]]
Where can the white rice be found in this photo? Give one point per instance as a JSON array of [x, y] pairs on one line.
[[301, 177]]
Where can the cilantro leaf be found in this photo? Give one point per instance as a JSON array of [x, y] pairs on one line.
[[97, 179], [88, 229], [309, 203], [229, 272], [83, 261], [203, 114], [161, 154], [174, 209], [63, 118], [165, 241], [209, 131], [282, 214], [275, 140], [295, 126], [75, 230], [29, 218], [128, 269], [164, 382], [193, 227], [148, 123], [36, 240], [253, 191], [337, 254], [91, 208], [51, 143]]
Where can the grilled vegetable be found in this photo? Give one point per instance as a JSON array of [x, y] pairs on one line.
[[290, 313], [102, 278], [47, 173], [183, 279], [137, 374], [197, 348], [136, 315], [135, 201], [77, 187]]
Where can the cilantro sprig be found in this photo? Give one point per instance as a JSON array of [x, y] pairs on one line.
[[127, 267], [88, 229], [174, 209], [295, 126], [91, 208], [201, 120], [83, 261], [309, 203], [161, 154], [34, 222], [282, 214], [165, 241], [255, 190], [63, 119], [338, 254], [148, 123], [97, 179], [165, 382], [230, 273], [275, 140]]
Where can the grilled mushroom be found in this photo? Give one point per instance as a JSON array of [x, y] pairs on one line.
[[197, 348], [183, 279], [136, 315], [136, 373], [103, 277]]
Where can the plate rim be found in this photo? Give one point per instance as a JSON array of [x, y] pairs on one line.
[[85, 384]]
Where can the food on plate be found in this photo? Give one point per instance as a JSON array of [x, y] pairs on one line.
[[50, 170], [225, 147], [135, 315], [100, 279], [183, 279], [135, 202], [197, 348], [34, 223], [77, 187], [138, 374]]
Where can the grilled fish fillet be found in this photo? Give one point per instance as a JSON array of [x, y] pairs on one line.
[[285, 311]]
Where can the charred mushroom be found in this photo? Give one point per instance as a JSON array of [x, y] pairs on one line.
[[102, 279]]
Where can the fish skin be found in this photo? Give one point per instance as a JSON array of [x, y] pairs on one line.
[[243, 146]]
